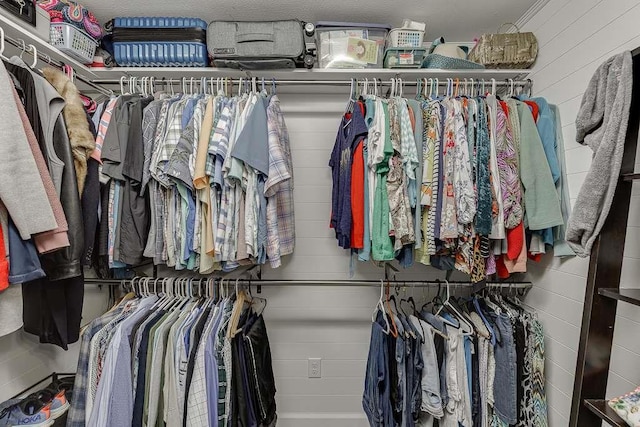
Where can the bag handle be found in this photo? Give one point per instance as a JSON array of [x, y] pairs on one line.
[[508, 23], [254, 37]]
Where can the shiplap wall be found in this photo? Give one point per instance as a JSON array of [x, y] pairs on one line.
[[575, 37]]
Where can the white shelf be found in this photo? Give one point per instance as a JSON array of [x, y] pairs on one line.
[[23, 31], [18, 30]]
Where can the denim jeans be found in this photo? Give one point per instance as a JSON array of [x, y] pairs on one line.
[[505, 387], [430, 381], [400, 360], [415, 397], [375, 401]]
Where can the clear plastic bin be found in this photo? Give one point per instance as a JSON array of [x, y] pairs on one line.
[[350, 45]]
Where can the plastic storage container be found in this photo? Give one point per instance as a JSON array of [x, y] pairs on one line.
[[160, 42], [43, 24], [350, 45], [402, 57], [404, 37], [73, 41]]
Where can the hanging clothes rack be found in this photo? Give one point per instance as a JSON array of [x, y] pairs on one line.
[[310, 82], [354, 283]]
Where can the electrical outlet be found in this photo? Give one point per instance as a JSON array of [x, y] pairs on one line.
[[315, 368]]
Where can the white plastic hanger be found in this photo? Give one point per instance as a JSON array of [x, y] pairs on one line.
[[34, 51], [493, 87], [380, 306], [2, 44]]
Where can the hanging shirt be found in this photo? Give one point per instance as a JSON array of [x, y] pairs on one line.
[[497, 228], [462, 180], [397, 186], [430, 174], [357, 191], [352, 129], [483, 222], [381, 244], [541, 200], [279, 187]]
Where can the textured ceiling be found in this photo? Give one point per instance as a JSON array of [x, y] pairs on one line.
[[456, 20]]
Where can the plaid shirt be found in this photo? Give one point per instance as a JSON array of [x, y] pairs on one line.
[[279, 187], [149, 125], [218, 148], [168, 142], [76, 416]]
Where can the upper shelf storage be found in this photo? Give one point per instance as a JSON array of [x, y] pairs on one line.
[[23, 31]]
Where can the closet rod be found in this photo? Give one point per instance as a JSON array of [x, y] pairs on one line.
[[382, 82], [21, 44], [356, 283]]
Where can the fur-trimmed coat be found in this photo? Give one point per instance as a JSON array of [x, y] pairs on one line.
[[81, 138]]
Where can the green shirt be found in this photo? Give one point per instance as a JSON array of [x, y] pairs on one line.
[[542, 205]]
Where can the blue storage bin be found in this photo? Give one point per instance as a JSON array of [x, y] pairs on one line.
[[181, 42]]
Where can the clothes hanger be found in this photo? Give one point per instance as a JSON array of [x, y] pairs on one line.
[[437, 295], [23, 47], [263, 300], [2, 44], [380, 307], [394, 331], [34, 51], [236, 312], [452, 310]]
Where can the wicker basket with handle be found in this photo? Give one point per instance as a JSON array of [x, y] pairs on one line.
[[505, 50]]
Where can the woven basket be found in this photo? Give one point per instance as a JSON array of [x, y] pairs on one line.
[[505, 50]]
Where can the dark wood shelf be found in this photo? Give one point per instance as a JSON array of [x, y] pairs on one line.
[[630, 176], [632, 296], [604, 412]]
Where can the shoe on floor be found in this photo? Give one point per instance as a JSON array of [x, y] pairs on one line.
[[29, 412], [56, 399]]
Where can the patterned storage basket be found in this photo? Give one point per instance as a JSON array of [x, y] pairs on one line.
[[505, 50], [72, 41]]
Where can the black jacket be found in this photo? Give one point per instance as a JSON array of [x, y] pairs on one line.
[[66, 263]]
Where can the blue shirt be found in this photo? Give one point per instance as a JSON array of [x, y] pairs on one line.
[[351, 131]]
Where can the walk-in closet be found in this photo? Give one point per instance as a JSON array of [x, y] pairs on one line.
[[314, 214]]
